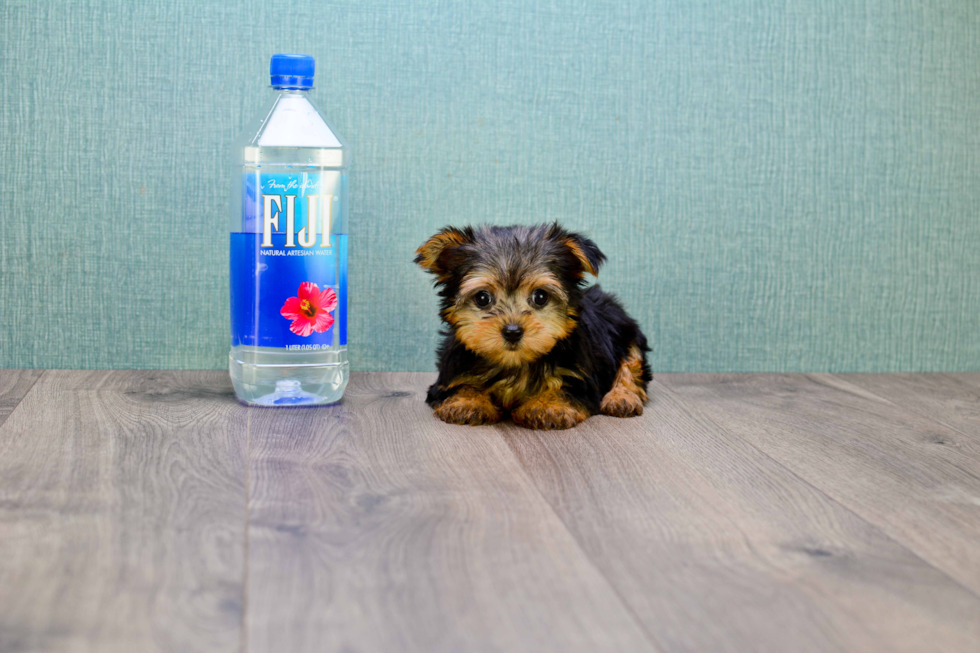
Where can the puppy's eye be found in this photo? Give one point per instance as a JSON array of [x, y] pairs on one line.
[[483, 299], [539, 298]]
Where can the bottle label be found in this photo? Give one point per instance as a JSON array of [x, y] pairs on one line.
[[289, 263]]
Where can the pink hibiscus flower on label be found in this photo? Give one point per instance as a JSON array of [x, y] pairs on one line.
[[310, 309]]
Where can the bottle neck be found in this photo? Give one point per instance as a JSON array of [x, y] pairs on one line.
[[287, 90]]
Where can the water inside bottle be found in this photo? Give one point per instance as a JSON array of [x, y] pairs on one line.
[[288, 250]]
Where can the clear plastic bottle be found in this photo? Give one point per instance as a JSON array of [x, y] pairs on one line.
[[289, 249]]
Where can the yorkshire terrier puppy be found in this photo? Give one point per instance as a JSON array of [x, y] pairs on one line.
[[524, 336]]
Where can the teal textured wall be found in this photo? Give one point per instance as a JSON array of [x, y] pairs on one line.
[[779, 185]]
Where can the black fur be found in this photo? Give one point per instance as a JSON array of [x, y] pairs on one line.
[[602, 339], [595, 348]]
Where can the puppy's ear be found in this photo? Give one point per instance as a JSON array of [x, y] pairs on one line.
[[585, 252], [439, 254]]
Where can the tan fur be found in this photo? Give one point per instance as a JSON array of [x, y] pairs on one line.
[[468, 406], [480, 328], [504, 268], [626, 397], [545, 281], [428, 253], [513, 386], [551, 409], [472, 284], [580, 255]]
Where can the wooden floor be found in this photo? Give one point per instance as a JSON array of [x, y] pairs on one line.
[[148, 511]]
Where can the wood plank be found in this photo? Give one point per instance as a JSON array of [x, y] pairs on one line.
[[885, 463], [122, 514], [376, 527], [14, 384], [953, 400], [716, 547]]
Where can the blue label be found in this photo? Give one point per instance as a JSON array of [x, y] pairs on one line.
[[288, 270]]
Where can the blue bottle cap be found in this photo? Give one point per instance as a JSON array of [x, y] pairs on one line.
[[292, 71]]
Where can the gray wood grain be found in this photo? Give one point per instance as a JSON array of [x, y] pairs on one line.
[[953, 400], [145, 511], [888, 464], [376, 527], [14, 384], [122, 514], [716, 547]]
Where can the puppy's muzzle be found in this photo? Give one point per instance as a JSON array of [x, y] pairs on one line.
[[512, 333]]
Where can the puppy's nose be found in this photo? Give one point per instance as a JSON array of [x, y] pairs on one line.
[[513, 333]]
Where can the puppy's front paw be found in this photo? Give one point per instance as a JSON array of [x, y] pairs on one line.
[[549, 411], [620, 402], [468, 406]]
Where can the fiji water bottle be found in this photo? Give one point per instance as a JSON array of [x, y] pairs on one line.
[[289, 249]]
